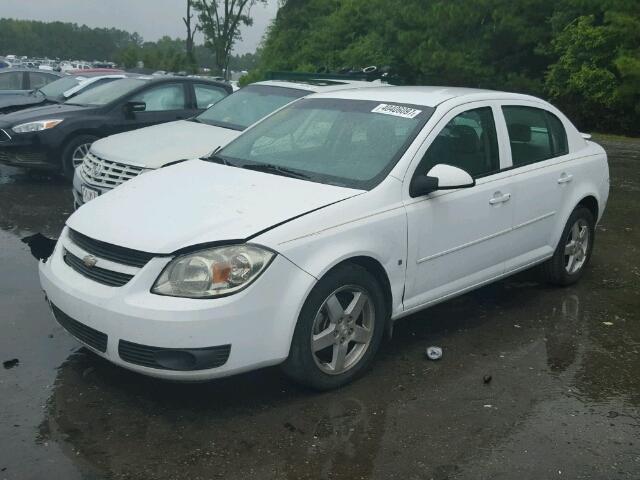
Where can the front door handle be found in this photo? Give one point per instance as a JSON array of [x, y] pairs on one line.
[[565, 178], [499, 197]]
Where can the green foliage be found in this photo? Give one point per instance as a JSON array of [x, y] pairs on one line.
[[63, 40], [582, 54]]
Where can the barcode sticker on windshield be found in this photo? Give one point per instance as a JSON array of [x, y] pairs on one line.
[[396, 111]]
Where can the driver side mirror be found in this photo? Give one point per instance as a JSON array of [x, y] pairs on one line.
[[440, 177], [132, 107]]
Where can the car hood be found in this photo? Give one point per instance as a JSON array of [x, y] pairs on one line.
[[41, 113], [197, 202], [153, 147]]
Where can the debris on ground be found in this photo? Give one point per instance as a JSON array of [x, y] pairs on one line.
[[487, 378], [608, 324], [41, 246], [14, 362], [434, 353]]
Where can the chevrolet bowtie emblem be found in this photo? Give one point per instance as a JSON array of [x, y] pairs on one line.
[[89, 261]]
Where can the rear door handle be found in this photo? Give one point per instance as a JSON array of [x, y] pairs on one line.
[[499, 197], [565, 178]]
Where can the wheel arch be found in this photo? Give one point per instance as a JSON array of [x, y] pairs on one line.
[[591, 203], [377, 270]]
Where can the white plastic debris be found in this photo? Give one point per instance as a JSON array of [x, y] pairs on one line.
[[434, 353]]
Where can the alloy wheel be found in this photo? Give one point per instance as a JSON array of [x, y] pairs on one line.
[[79, 153], [575, 251], [342, 329]]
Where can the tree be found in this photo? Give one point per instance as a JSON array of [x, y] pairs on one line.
[[220, 21], [191, 31]]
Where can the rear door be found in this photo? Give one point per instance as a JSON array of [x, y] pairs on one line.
[[458, 239], [541, 177]]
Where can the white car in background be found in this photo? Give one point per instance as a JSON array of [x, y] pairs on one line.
[[118, 158], [305, 238]]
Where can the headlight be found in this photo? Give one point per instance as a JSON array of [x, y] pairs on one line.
[[213, 272], [36, 126]]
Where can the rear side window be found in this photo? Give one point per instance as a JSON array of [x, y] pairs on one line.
[[468, 141], [534, 135]]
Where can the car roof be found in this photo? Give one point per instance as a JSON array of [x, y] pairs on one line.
[[320, 85], [25, 69], [430, 96], [94, 71]]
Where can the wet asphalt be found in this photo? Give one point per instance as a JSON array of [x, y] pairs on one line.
[[563, 400]]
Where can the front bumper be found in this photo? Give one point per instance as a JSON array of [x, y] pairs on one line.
[[28, 151], [257, 323], [78, 181]]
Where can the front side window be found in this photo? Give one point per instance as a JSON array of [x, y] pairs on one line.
[[469, 141], [163, 98], [207, 95], [352, 143], [11, 81], [39, 79], [106, 93], [248, 105], [534, 135]]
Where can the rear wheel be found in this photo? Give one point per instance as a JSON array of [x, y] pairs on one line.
[[74, 153], [339, 329], [574, 249]]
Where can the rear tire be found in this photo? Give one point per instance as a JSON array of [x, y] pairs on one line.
[[74, 152], [573, 251], [339, 329]]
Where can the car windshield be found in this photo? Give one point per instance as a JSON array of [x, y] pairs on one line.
[[57, 88], [107, 93], [248, 105], [351, 143]]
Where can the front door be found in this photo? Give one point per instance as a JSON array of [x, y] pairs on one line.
[[458, 239], [165, 102]]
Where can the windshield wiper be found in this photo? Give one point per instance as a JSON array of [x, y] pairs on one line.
[[213, 158], [275, 169]]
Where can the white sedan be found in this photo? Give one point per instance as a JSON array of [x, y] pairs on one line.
[[304, 239]]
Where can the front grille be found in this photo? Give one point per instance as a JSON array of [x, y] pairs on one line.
[[147, 356], [114, 253], [85, 334], [4, 136], [106, 173], [97, 274]]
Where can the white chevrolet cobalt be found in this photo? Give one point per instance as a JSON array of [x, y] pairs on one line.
[[302, 240]]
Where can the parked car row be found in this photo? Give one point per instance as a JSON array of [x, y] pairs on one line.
[[56, 137], [293, 223]]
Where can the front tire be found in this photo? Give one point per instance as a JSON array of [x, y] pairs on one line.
[[573, 251], [339, 329], [74, 152]]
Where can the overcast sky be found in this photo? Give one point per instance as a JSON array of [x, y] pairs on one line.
[[150, 18]]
